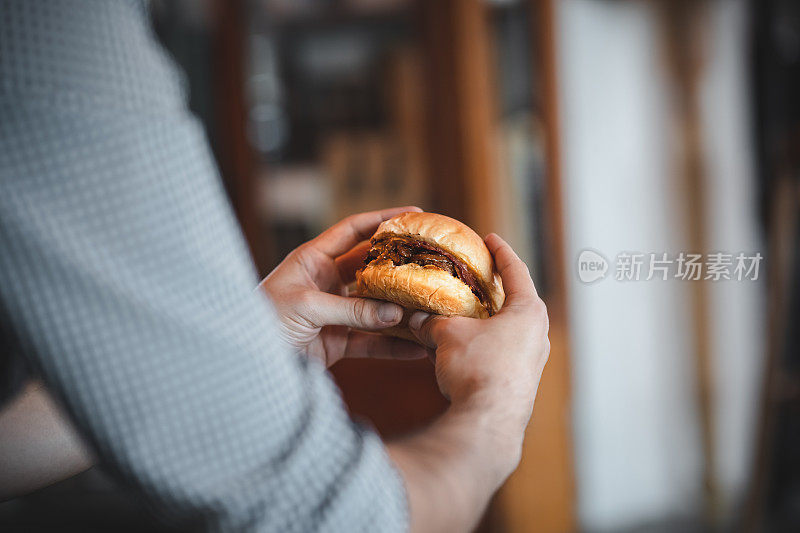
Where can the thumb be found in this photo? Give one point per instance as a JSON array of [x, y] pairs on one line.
[[425, 327], [326, 309]]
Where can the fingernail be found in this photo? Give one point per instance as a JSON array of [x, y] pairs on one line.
[[389, 313], [416, 320]]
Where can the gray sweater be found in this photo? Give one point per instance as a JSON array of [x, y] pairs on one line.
[[125, 283]]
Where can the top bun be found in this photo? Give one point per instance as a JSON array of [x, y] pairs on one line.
[[455, 238]]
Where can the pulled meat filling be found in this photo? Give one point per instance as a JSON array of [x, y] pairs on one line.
[[401, 250]]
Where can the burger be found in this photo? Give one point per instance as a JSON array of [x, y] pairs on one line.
[[432, 263]]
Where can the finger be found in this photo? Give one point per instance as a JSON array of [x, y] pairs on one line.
[[517, 282], [426, 327], [361, 344], [323, 309], [344, 235], [352, 260]]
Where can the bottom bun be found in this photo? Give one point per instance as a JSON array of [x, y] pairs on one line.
[[416, 287]]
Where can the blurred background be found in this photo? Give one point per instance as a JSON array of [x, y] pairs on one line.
[[619, 126]]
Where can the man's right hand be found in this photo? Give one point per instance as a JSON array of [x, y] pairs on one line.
[[494, 363], [490, 370]]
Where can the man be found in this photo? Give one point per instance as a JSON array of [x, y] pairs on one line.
[[125, 284]]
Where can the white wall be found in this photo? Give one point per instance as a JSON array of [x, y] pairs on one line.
[[636, 430]]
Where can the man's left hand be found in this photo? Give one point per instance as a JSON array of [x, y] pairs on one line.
[[308, 290]]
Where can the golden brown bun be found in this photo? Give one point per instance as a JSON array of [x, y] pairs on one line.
[[459, 240], [417, 287]]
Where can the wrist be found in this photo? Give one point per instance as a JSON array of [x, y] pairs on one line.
[[497, 430], [507, 409], [458, 463]]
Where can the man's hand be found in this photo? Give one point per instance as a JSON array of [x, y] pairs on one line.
[[496, 361], [308, 291], [490, 370]]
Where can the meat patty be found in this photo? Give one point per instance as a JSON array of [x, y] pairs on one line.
[[401, 250]]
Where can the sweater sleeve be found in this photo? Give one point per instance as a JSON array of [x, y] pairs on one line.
[[127, 286]]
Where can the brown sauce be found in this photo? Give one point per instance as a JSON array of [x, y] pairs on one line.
[[401, 250]]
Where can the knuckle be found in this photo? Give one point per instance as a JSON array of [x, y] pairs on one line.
[[294, 255], [527, 301], [303, 255], [539, 308], [352, 222], [302, 250], [538, 311], [360, 310]]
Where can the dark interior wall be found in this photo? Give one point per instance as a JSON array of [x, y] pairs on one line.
[[776, 120]]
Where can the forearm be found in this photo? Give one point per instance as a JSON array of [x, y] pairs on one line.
[[453, 468], [38, 446]]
